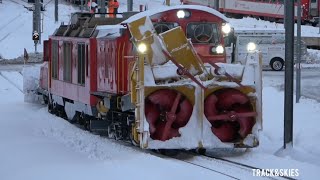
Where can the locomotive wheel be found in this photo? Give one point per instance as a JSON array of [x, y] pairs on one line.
[[50, 108], [166, 112], [230, 113]]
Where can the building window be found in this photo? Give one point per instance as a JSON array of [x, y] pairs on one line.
[[81, 63], [55, 58], [67, 50]]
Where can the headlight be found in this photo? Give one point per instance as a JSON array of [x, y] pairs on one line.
[[219, 49], [226, 28], [142, 48], [251, 47], [181, 14]]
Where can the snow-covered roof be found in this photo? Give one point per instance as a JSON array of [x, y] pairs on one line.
[[259, 31], [167, 8]]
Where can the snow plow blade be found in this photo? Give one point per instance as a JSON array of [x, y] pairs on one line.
[[233, 106], [182, 51]]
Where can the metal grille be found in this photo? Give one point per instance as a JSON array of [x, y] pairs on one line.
[[61, 30]]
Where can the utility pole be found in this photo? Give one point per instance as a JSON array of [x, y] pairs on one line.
[[298, 67], [36, 33], [56, 10], [130, 5], [216, 5], [318, 5], [168, 2], [289, 58]]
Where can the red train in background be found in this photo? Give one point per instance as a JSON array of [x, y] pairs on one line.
[[272, 10], [97, 73]]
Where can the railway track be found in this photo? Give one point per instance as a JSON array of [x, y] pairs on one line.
[[11, 82], [199, 161], [241, 165], [225, 167], [230, 169]]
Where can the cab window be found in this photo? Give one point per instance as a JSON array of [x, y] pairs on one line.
[[161, 27], [203, 32]]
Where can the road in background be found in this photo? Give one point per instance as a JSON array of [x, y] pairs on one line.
[[310, 81]]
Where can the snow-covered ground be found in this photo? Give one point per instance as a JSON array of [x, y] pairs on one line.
[[38, 145], [248, 22]]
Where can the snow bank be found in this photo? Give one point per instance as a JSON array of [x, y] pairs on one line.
[[252, 23], [306, 121], [313, 56], [31, 77]]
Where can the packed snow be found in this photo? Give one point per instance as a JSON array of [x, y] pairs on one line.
[[37, 144]]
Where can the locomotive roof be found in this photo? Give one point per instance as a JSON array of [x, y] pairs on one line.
[[167, 8], [84, 25]]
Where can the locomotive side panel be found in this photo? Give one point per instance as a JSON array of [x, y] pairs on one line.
[[113, 59], [125, 58], [91, 69], [106, 57], [73, 80]]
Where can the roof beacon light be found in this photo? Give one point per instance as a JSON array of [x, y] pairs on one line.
[[142, 48], [226, 28], [181, 14]]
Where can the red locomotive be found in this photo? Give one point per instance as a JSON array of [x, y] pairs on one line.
[[142, 78], [263, 9]]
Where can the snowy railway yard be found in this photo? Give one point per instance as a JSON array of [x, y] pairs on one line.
[[37, 145]]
